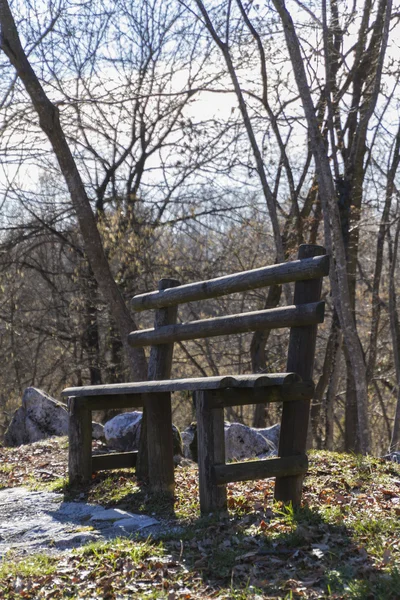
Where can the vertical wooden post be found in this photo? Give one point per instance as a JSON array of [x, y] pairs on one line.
[[158, 406], [80, 442], [295, 415], [211, 451]]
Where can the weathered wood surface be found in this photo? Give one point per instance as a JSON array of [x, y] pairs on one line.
[[288, 392], [309, 268], [261, 469], [158, 421], [295, 416], [80, 443], [117, 460], [107, 401], [274, 318], [175, 385], [211, 452]]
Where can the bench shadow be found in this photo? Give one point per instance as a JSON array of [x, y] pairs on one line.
[[294, 554], [140, 500], [302, 555]]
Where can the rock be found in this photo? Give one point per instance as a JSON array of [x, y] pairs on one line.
[[271, 433], [39, 521], [241, 441], [40, 417], [123, 433], [97, 431], [393, 456], [189, 441]]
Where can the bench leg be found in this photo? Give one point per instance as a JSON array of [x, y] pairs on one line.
[[160, 443], [80, 443], [295, 415], [211, 451]]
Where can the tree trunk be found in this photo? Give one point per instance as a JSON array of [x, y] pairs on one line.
[[90, 336], [395, 330], [50, 124], [333, 233], [382, 232], [334, 342], [330, 401], [257, 353]]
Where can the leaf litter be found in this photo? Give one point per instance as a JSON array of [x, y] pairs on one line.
[[344, 542]]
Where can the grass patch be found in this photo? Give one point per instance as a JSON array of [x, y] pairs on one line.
[[32, 566], [6, 468], [112, 551], [60, 485]]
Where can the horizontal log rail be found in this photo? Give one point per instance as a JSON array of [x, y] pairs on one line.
[[274, 318], [288, 392], [123, 393], [261, 469], [296, 270], [117, 460]]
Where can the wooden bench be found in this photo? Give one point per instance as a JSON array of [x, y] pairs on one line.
[[212, 394]]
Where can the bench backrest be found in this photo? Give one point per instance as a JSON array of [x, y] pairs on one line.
[[307, 310]]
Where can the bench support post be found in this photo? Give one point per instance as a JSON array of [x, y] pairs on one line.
[[158, 406], [211, 451], [80, 442], [295, 415], [160, 443]]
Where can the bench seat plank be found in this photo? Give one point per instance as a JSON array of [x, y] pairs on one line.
[[179, 385]]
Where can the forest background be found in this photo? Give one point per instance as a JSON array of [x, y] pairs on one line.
[[141, 140]]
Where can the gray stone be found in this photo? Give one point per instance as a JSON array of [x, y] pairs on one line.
[[97, 431], [271, 433], [40, 417], [393, 456], [41, 522], [123, 433], [241, 441], [189, 441]]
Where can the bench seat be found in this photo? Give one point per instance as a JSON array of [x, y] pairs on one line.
[[184, 385], [229, 390]]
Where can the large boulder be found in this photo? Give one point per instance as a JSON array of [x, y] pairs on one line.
[[241, 442], [123, 433], [40, 417]]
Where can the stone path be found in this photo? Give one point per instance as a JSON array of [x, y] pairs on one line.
[[42, 522]]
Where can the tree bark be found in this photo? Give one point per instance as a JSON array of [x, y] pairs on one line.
[[333, 233], [383, 228], [395, 330], [330, 401], [257, 353], [328, 368]]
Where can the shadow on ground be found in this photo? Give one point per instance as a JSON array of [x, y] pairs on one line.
[[277, 552]]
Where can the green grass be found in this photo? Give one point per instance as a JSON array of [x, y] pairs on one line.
[[113, 550], [33, 566], [7, 468], [59, 485]]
